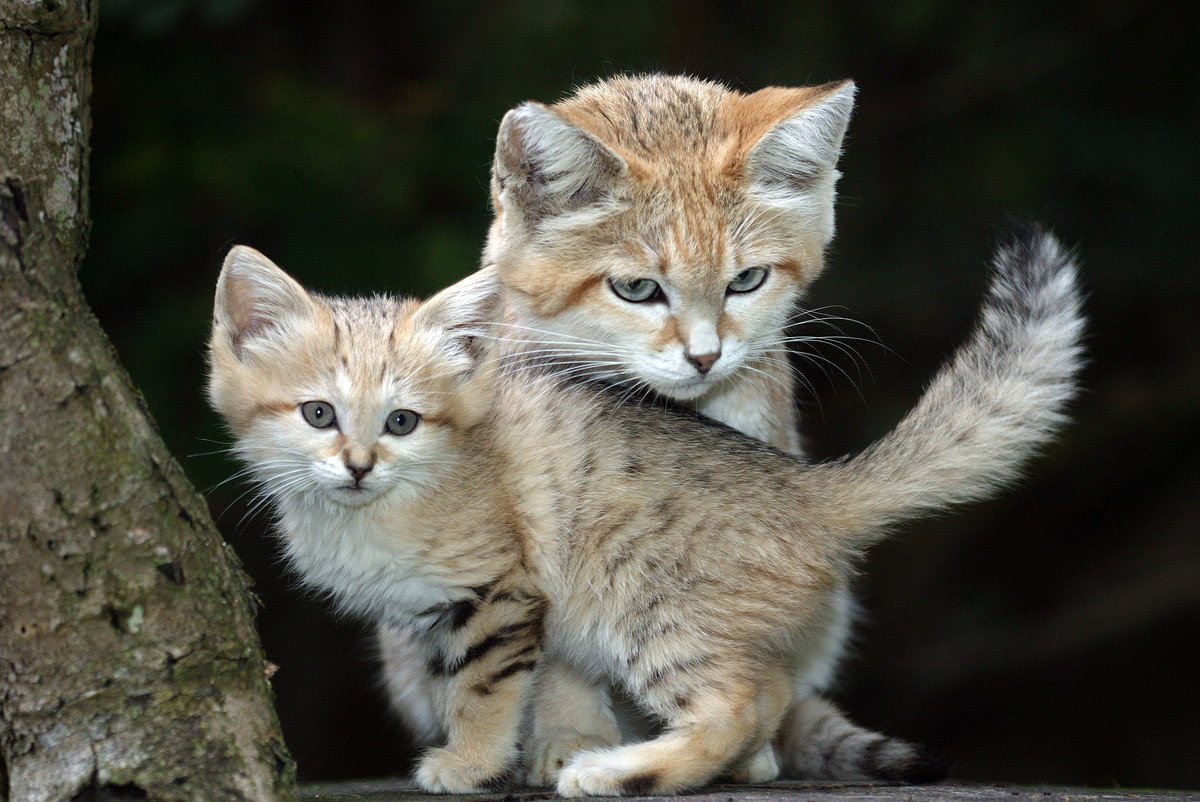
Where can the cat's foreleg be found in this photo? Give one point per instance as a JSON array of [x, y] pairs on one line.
[[406, 679], [482, 669], [570, 714]]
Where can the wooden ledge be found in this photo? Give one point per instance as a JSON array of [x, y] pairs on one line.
[[392, 790]]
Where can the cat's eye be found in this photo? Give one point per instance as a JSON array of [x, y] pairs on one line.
[[748, 280], [637, 291], [401, 422], [318, 414]]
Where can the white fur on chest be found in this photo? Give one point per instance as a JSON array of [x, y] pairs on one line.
[[368, 569]]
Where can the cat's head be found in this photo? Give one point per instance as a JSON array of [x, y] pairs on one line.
[[347, 400], [666, 227]]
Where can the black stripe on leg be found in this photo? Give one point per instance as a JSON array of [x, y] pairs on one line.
[[639, 784], [496, 783], [512, 668], [460, 613], [481, 591], [475, 652], [478, 650], [455, 615]]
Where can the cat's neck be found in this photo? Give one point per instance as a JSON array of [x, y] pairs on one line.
[[759, 401], [386, 559]]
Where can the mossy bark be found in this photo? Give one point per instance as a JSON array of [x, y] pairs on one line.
[[129, 663]]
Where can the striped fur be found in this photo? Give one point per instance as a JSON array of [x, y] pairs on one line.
[[530, 521], [685, 182]]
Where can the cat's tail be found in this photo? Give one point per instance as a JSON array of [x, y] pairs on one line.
[[818, 742], [997, 400]]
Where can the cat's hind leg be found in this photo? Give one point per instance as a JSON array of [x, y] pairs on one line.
[[570, 715], [713, 722], [759, 767]]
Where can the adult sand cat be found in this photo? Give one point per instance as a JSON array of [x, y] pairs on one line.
[[514, 520], [658, 232]]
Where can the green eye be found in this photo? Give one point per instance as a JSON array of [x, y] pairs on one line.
[[401, 421], [748, 280], [637, 291], [318, 414]]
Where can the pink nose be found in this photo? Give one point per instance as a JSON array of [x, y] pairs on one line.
[[704, 362]]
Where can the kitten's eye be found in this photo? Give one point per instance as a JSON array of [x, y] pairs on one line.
[[638, 291], [318, 414], [748, 280], [401, 421]]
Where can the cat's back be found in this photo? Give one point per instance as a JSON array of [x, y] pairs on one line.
[[594, 442]]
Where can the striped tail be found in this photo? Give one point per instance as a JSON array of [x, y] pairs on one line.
[[999, 398], [817, 742]]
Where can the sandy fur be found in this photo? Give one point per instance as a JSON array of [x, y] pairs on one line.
[[529, 520]]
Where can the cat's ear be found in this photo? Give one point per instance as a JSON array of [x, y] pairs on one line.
[[546, 166], [467, 314], [802, 145], [254, 296]]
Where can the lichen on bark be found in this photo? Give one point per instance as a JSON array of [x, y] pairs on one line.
[[129, 662]]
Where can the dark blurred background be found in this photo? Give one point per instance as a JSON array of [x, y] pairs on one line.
[[1052, 635]]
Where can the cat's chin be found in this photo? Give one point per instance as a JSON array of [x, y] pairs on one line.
[[691, 388], [686, 390], [353, 496]]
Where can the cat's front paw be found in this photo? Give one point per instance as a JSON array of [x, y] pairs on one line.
[[441, 771], [548, 753], [606, 772]]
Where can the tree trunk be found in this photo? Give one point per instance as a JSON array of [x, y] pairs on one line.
[[129, 663]]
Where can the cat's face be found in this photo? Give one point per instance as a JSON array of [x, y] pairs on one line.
[[337, 401], [662, 230]]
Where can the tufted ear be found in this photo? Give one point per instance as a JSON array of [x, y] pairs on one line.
[[467, 314], [546, 166], [254, 296], [803, 143]]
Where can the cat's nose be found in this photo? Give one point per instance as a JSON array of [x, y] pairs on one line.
[[358, 461], [703, 362]]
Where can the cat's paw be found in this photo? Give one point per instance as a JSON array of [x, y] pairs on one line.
[[606, 772], [547, 754], [441, 771], [761, 767]]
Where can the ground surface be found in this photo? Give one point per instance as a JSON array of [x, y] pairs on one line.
[[402, 791]]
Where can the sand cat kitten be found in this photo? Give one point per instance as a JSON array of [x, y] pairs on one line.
[[674, 225], [513, 519], [660, 231]]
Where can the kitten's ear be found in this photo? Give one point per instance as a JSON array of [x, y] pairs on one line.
[[804, 142], [467, 313], [547, 166], [254, 296]]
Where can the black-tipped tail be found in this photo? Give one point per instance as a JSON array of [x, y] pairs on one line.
[[987, 410]]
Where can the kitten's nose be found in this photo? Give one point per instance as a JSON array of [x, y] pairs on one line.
[[703, 362], [358, 462]]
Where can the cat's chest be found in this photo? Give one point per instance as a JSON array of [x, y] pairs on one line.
[[369, 572]]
